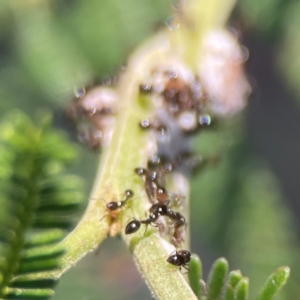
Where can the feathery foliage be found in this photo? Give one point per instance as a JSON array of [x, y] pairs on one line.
[[51, 47], [37, 201]]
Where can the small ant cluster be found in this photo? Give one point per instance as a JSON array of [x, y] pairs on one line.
[[161, 214], [161, 208], [160, 201]]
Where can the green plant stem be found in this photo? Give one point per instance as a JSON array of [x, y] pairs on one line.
[[128, 150]]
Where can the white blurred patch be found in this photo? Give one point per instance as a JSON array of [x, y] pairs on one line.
[[221, 72]]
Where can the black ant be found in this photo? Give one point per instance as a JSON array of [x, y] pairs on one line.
[[134, 225], [178, 221], [155, 192], [114, 205], [159, 209], [156, 211], [180, 259], [159, 166], [178, 218]]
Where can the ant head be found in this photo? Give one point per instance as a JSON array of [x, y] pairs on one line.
[[159, 209], [112, 205], [129, 193], [132, 226], [140, 171], [185, 254]]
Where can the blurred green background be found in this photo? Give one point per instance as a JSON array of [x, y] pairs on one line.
[[246, 207]]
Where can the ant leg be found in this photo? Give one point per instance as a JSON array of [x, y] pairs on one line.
[[145, 230], [185, 267], [104, 217]]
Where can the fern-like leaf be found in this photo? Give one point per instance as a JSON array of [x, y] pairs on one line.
[[36, 199]]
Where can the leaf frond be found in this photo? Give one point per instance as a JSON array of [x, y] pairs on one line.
[[38, 201]]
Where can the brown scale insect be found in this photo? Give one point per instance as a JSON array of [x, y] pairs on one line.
[[92, 111], [178, 95]]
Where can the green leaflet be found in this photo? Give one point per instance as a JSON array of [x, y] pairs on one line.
[[232, 286], [216, 278], [195, 274], [274, 283]]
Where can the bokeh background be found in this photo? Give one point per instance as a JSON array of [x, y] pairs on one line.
[[246, 207]]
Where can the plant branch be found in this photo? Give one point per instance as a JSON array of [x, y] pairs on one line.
[[129, 149]]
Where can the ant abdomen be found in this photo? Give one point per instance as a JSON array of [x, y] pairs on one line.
[[180, 258], [159, 209], [132, 227], [113, 205]]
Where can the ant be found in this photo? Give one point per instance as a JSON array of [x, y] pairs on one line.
[[160, 166], [163, 210], [180, 259], [114, 205], [178, 221], [156, 211], [178, 218], [134, 225], [155, 192]]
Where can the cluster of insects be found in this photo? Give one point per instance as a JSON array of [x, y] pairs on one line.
[[178, 97], [180, 104], [184, 103], [162, 204], [180, 110]]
